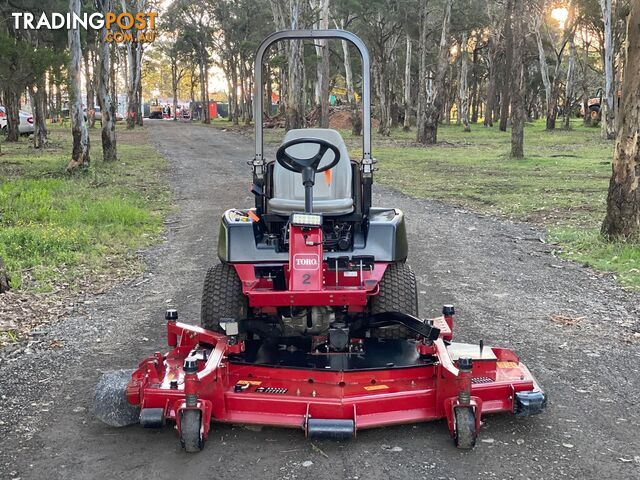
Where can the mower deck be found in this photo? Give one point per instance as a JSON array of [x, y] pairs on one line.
[[380, 382]]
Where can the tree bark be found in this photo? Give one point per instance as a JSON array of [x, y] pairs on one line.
[[80, 153], [544, 72], [474, 100], [407, 87], [518, 84], [38, 102], [295, 108], [91, 117], [427, 131], [12, 105], [568, 92], [107, 105], [608, 99], [4, 278], [492, 63], [324, 67], [623, 201], [423, 74], [505, 100], [463, 92]]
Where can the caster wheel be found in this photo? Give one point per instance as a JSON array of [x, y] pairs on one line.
[[190, 426], [465, 433]]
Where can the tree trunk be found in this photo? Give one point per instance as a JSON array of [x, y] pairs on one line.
[[323, 68], [623, 201], [544, 71], [492, 63], [107, 105], [422, 64], [39, 120], [12, 105], [474, 100], [508, 69], [132, 88], [407, 87], [80, 153], [174, 85], [427, 131], [608, 99], [518, 84], [4, 278], [295, 108], [463, 92], [568, 92], [139, 119], [89, 87]]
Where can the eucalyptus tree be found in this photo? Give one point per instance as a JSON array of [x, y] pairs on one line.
[[81, 142], [105, 100], [431, 106], [197, 25], [623, 200]]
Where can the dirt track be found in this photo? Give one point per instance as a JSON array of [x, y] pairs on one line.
[[504, 282]]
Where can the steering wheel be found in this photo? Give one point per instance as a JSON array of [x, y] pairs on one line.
[[298, 165]]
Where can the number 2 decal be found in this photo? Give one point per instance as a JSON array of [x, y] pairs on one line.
[[306, 279]]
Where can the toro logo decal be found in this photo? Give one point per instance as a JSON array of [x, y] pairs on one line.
[[306, 261]]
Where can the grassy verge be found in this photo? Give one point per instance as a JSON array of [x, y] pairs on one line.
[[67, 230], [561, 184]]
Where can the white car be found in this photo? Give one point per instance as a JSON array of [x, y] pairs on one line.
[[26, 122]]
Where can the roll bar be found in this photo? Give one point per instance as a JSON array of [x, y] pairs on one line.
[[317, 34]]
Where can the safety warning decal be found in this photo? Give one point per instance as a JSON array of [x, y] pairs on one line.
[[507, 364], [376, 387]]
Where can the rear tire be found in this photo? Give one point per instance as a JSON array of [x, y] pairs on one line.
[[398, 293], [222, 297]]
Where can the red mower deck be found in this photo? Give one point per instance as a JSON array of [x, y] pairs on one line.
[[208, 373]]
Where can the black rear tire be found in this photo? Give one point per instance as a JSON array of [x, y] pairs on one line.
[[398, 293], [222, 297]]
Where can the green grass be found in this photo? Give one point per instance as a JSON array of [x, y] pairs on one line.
[[560, 184], [57, 228]]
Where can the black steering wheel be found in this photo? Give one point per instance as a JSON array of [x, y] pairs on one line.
[[298, 165]]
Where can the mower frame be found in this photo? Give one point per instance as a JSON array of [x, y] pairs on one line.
[[348, 379]]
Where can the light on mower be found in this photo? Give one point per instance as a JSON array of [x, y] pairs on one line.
[[306, 220]]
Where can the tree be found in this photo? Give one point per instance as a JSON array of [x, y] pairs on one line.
[[517, 83], [623, 200], [551, 83], [80, 152], [134, 62], [463, 89], [608, 102], [107, 104], [4, 278], [431, 106], [295, 108], [508, 66], [407, 86], [323, 66], [495, 19]]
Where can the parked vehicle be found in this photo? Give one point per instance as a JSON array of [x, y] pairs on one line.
[[26, 122], [98, 115]]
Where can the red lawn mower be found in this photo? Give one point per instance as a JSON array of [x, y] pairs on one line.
[[310, 320]]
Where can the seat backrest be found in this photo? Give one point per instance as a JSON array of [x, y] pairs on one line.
[[336, 185]]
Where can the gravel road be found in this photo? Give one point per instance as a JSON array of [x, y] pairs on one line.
[[506, 285]]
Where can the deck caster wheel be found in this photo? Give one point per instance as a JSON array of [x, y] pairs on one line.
[[465, 428], [190, 428]]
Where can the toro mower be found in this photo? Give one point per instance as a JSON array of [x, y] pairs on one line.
[[310, 319]]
